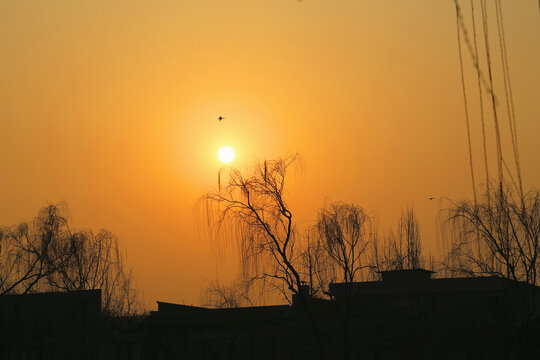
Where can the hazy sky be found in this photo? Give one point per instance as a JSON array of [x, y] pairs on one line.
[[112, 106]]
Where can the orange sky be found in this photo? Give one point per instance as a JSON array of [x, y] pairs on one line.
[[112, 106]]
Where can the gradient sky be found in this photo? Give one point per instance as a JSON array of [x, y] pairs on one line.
[[112, 106]]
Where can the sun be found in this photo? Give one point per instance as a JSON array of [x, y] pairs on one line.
[[226, 154]]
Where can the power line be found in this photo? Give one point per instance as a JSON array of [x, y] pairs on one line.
[[508, 92], [493, 100], [474, 57], [481, 100], [464, 90]]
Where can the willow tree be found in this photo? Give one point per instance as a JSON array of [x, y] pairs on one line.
[[46, 254], [225, 296], [497, 236], [345, 232], [249, 211], [401, 247], [28, 253]]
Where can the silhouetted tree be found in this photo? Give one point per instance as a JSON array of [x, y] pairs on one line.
[[401, 248], [345, 232], [250, 211], [498, 236], [27, 253], [46, 255], [315, 265], [220, 296]]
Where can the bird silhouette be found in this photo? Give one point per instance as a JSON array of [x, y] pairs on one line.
[[431, 198], [220, 118]]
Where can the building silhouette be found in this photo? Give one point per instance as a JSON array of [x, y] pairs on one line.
[[405, 315]]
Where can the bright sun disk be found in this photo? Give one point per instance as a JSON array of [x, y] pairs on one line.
[[226, 154]]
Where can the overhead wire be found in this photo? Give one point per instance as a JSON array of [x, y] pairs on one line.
[[465, 102], [488, 85], [474, 57], [493, 100], [510, 174], [481, 100], [508, 92]]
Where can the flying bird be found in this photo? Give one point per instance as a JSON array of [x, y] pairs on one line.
[[431, 198], [220, 118]]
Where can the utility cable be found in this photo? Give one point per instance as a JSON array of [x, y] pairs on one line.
[[481, 100], [464, 90], [493, 100], [508, 92], [474, 57]]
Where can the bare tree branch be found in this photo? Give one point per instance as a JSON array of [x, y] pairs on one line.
[[46, 255], [249, 210]]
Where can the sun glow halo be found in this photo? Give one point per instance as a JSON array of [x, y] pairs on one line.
[[226, 154]]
